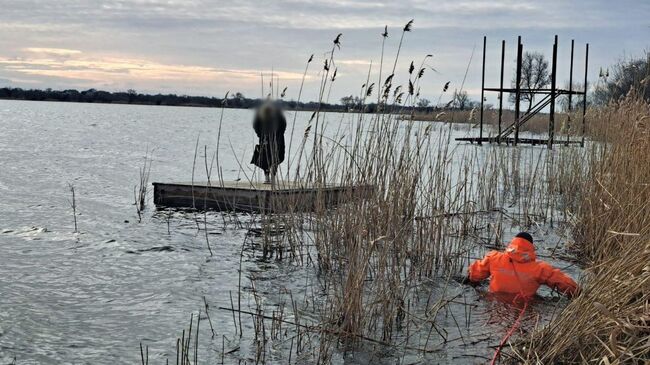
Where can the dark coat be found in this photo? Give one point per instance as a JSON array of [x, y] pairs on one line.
[[270, 125]]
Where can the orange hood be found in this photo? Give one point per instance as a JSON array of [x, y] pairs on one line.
[[521, 250]]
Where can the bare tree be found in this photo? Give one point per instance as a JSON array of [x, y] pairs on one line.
[[132, 95], [423, 103], [351, 102], [535, 75], [460, 99], [626, 75], [347, 101], [576, 101]]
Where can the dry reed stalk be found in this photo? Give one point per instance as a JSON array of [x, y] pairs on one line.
[[610, 321], [295, 114], [424, 210], [73, 205], [141, 189], [433, 204]]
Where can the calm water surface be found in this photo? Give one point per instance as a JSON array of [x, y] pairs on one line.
[[92, 297]]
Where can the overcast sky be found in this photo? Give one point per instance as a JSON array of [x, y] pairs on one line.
[[201, 47]]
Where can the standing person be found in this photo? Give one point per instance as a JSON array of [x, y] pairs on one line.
[[516, 271], [269, 124]]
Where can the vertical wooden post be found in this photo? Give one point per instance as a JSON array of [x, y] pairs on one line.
[[568, 123], [517, 88], [503, 56], [480, 133], [584, 100], [551, 117]]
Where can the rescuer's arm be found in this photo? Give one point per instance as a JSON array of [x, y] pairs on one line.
[[480, 269], [556, 279]]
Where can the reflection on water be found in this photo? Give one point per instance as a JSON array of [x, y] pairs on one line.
[[93, 296]]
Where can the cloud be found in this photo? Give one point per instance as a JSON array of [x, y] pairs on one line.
[[126, 71], [53, 51], [353, 62], [311, 14], [204, 46]]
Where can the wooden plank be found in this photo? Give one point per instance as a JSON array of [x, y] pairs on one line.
[[534, 91], [253, 185], [255, 197], [510, 140]]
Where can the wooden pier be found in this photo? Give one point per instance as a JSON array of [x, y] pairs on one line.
[[255, 197]]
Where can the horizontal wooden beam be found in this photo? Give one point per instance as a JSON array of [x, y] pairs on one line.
[[534, 91], [510, 140], [242, 196]]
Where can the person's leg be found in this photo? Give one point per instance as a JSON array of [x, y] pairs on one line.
[[267, 178]]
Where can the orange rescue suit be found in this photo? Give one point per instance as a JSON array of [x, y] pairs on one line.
[[515, 271]]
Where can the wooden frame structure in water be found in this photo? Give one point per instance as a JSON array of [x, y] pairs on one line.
[[549, 98]]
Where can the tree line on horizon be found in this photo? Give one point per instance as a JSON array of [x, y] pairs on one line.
[[460, 100], [236, 100]]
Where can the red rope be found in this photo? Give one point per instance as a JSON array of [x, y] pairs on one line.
[[510, 332], [517, 321]]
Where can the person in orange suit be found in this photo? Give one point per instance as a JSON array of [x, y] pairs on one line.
[[516, 271]]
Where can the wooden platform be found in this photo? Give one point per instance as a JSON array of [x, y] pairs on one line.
[[244, 196], [511, 140]]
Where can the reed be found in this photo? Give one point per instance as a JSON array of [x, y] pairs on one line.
[[435, 204], [73, 205], [609, 322], [141, 190], [187, 346]]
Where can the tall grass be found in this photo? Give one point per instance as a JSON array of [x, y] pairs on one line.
[[610, 321], [434, 204], [141, 189]]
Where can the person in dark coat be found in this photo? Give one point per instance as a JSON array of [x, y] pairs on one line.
[[269, 124]]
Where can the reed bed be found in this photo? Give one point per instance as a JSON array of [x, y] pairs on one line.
[[609, 323], [435, 204]]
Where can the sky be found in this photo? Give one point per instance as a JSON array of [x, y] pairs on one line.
[[200, 47]]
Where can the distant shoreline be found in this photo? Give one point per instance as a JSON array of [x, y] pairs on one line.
[[236, 101], [95, 96], [151, 104]]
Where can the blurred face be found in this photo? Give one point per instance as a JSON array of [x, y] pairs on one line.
[[266, 112]]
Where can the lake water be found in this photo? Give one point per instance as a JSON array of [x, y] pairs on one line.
[[92, 297]]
